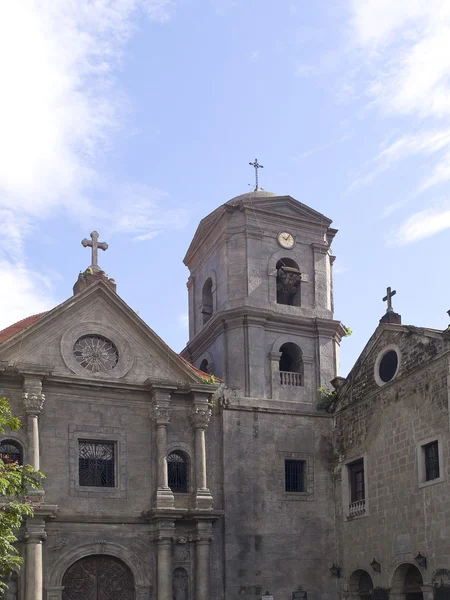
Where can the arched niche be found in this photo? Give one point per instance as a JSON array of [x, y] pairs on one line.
[[180, 584]]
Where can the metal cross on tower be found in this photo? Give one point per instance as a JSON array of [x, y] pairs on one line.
[[95, 245], [388, 299], [257, 166]]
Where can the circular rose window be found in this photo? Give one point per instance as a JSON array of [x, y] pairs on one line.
[[95, 353]]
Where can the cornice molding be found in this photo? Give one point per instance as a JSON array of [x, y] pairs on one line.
[[270, 319]]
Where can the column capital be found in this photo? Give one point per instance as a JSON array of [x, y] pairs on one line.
[[32, 396], [33, 403], [200, 415], [161, 414], [163, 531], [35, 532]]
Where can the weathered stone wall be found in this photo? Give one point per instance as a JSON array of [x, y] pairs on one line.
[[387, 425], [274, 540]]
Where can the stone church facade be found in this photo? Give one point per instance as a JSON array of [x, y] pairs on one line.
[[213, 475]]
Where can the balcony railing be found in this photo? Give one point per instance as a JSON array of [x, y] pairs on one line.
[[357, 508], [288, 378]]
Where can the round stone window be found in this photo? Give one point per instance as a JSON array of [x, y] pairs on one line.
[[95, 353], [387, 365]]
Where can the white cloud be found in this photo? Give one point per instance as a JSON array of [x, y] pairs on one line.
[[58, 105], [143, 212], [24, 293], [183, 320], [321, 147], [404, 48], [433, 143], [423, 224]]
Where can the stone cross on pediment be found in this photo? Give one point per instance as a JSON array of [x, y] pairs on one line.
[[388, 299], [95, 245]]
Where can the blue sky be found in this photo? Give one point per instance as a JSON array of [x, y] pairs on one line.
[[139, 117]]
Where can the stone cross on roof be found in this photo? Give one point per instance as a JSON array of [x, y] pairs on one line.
[[257, 166], [95, 245], [388, 299]]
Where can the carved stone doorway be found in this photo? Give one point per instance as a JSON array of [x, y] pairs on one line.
[[98, 577]]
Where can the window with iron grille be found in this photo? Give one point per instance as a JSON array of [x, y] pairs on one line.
[[356, 472], [96, 463], [178, 472], [431, 455], [11, 451], [294, 475]]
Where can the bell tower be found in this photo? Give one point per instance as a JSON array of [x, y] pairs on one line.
[[261, 298]]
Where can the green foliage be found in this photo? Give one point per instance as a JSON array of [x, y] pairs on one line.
[[348, 331], [211, 380], [327, 399], [15, 482]]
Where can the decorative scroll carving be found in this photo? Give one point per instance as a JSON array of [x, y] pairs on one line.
[[200, 416], [181, 549], [59, 544], [162, 414]]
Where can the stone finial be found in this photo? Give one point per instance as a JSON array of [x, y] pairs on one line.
[[200, 416]]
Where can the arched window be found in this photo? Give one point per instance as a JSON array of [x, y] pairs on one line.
[[207, 300], [178, 472], [291, 365], [288, 282], [11, 451], [204, 366]]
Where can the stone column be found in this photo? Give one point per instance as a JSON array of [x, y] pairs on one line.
[[200, 416], [164, 537], [33, 400], [428, 591], [34, 535], [202, 551], [162, 412], [55, 593]]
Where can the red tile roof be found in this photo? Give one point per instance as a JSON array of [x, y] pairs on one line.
[[24, 323], [19, 326]]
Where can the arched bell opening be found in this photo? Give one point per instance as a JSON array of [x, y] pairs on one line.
[[288, 282]]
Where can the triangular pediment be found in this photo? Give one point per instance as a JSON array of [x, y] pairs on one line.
[[136, 352], [266, 206], [415, 347], [288, 206]]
